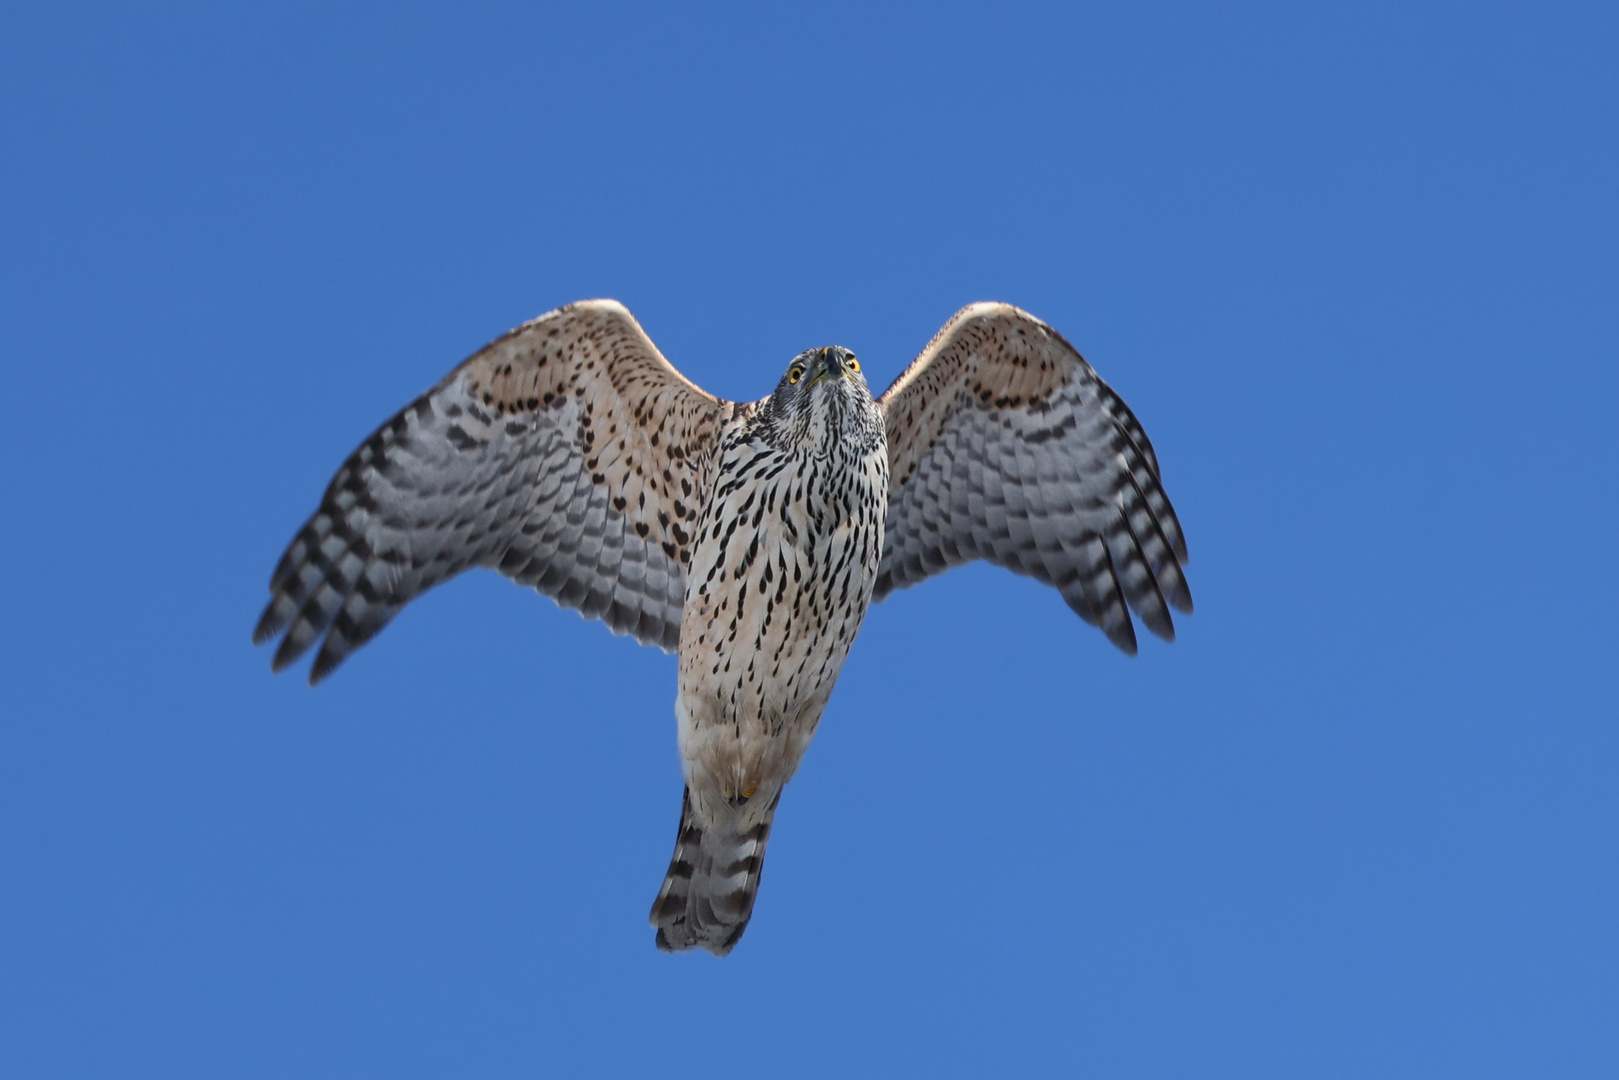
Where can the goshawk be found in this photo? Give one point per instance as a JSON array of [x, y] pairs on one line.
[[572, 457]]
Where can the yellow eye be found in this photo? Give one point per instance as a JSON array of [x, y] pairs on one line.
[[854, 365], [795, 374]]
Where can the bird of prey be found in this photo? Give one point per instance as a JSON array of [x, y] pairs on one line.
[[751, 537]]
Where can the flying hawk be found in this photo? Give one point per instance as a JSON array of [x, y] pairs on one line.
[[751, 537]]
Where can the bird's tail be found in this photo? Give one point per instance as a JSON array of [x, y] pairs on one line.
[[707, 896]]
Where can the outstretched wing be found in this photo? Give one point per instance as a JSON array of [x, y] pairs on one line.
[[1004, 445], [569, 454]]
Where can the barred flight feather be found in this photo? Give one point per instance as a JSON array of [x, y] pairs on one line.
[[1004, 445], [561, 455]]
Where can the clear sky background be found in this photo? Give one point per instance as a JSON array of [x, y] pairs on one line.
[[1356, 269]]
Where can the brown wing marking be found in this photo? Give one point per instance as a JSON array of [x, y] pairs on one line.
[[1006, 446], [568, 454]]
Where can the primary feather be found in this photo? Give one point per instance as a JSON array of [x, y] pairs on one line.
[[1005, 446], [568, 454]]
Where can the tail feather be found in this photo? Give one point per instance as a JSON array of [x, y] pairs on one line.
[[707, 896]]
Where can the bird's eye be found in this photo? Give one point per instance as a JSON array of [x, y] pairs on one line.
[[794, 374], [854, 365]]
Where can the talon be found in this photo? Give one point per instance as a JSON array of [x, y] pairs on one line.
[[748, 794]]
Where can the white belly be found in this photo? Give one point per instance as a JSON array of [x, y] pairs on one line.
[[769, 618]]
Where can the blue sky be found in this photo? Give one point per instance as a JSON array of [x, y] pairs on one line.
[[1355, 269]]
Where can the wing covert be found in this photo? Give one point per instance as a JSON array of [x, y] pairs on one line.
[[1004, 445], [567, 454]]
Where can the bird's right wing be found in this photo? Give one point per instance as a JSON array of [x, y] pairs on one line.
[[1004, 445], [568, 454]]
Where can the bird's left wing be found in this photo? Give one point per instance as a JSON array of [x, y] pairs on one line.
[[1004, 445], [568, 454]]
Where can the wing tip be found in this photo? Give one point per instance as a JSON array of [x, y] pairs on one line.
[[1123, 635], [268, 625], [288, 652]]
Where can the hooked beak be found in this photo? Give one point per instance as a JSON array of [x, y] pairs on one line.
[[828, 366]]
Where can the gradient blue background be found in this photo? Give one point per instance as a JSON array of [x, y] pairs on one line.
[[1354, 268]]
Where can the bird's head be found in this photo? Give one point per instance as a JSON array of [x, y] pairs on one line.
[[823, 395], [833, 367]]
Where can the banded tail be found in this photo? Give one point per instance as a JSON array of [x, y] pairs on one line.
[[707, 896]]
